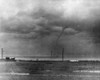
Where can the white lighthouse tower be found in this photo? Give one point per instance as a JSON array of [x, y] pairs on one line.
[[2, 53]]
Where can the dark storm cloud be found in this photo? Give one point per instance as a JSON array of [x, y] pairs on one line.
[[41, 26]]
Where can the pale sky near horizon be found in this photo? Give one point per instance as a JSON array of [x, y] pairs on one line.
[[31, 27]]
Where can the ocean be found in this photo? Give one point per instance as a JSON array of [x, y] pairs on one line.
[[49, 70]]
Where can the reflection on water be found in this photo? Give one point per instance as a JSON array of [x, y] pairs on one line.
[[51, 77], [46, 71], [88, 71], [12, 73]]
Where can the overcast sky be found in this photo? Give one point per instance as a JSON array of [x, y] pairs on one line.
[[31, 27]]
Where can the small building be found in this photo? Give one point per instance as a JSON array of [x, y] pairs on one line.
[[10, 58], [13, 58], [7, 58]]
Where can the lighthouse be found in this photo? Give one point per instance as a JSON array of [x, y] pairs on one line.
[[2, 53]]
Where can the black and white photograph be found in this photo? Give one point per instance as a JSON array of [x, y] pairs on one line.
[[49, 39]]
